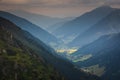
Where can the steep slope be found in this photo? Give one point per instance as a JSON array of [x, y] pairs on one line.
[[20, 62], [104, 52], [63, 66], [80, 24], [31, 28], [110, 24]]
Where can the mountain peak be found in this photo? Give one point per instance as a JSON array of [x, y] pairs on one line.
[[104, 7]]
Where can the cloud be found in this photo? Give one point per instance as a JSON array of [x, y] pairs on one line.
[[54, 7], [13, 1], [60, 3]]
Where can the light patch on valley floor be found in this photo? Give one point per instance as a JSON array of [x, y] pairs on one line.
[[68, 51], [60, 50], [83, 58], [95, 69]]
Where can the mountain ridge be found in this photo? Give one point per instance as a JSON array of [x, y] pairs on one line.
[[109, 24], [80, 24], [31, 28]]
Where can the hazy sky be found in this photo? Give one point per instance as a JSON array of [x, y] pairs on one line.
[[60, 8]]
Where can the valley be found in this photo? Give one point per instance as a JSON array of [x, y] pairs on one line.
[[40, 47]]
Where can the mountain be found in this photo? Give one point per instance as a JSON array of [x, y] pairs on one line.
[[72, 29], [20, 62], [109, 24], [104, 59], [44, 21], [56, 26], [35, 30], [30, 56]]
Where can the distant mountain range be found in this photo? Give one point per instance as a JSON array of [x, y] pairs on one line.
[[56, 26], [21, 48], [35, 30], [104, 52], [45, 22], [72, 29]]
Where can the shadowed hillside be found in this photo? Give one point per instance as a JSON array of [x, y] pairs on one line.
[[19, 46]]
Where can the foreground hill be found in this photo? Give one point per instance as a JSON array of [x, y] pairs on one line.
[[18, 61], [21, 52]]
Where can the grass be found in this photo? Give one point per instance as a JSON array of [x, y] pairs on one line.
[[95, 69], [83, 58], [68, 51]]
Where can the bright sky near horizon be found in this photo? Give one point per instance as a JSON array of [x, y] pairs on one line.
[[56, 8]]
